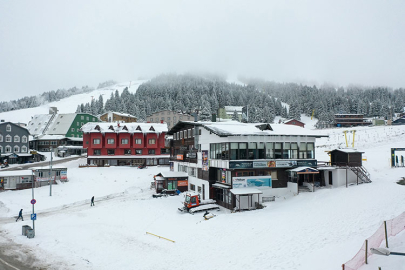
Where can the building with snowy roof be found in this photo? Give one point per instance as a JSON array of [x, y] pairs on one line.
[[227, 112], [117, 117], [220, 157], [119, 144], [14, 145], [53, 129], [169, 117]]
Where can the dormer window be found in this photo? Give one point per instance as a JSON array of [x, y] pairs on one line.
[[8, 138], [8, 128], [24, 139], [16, 138]]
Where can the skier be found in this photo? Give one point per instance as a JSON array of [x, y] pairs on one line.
[[20, 216], [92, 201]]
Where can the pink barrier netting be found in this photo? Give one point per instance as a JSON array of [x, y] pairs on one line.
[[394, 226]]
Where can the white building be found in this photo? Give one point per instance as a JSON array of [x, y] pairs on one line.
[[223, 158]]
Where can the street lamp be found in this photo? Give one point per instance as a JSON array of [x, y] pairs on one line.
[[50, 189], [385, 252]]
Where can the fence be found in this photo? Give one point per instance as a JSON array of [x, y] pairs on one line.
[[387, 229]]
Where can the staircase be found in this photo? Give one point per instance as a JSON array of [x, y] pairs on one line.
[[49, 123], [303, 189], [362, 173]]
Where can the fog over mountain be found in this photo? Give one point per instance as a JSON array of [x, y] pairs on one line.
[[48, 45]]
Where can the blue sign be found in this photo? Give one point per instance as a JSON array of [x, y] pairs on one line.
[[33, 201], [33, 216]]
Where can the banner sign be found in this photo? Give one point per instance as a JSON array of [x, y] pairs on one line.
[[180, 157], [63, 175], [251, 181], [307, 163], [182, 183], [205, 160], [240, 164], [286, 163]]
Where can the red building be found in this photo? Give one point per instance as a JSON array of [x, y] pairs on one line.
[[294, 122], [125, 144]]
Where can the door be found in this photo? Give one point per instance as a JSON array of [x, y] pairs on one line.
[[203, 191], [12, 182], [330, 178]]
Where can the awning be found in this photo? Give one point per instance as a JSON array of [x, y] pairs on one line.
[[325, 168], [304, 170], [24, 155], [217, 185], [245, 191]]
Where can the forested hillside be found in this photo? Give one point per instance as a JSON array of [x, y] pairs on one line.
[[264, 99]]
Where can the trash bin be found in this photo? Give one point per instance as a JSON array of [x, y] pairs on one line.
[[24, 229], [30, 233]]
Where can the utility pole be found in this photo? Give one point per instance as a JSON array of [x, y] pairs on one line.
[[33, 211], [50, 173]]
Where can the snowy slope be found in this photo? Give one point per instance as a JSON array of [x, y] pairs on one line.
[[311, 231], [68, 105]]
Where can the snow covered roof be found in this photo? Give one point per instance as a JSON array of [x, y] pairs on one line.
[[118, 113], [234, 128], [218, 185], [49, 137], [245, 191], [61, 123], [173, 174], [48, 167], [15, 173], [38, 123], [231, 109], [124, 127], [303, 169], [347, 151]]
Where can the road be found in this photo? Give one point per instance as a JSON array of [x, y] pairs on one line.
[[22, 258]]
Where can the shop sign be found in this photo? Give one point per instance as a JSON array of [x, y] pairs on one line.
[[264, 164], [63, 175], [240, 164], [183, 183], [307, 163], [180, 157], [286, 163], [192, 155], [251, 181]]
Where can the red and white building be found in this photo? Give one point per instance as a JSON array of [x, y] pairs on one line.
[[120, 144]]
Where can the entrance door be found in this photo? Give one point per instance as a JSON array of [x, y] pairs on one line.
[[330, 178], [12, 182]]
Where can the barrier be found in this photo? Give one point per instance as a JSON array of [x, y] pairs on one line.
[[160, 237], [387, 229]]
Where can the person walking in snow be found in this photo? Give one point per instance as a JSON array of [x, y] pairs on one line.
[[92, 201], [20, 216]]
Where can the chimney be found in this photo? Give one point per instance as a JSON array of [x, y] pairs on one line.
[[161, 121]]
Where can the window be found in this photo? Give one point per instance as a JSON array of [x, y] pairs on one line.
[[294, 150], [162, 118], [87, 118], [72, 130], [8, 149], [41, 174], [1, 149], [175, 136], [192, 187], [8, 128], [277, 150], [97, 152], [168, 119], [151, 151], [138, 151], [24, 139], [242, 150], [124, 141], [24, 149], [96, 141], [16, 138], [303, 150], [138, 141], [199, 189], [180, 117], [127, 151], [1, 138], [82, 117], [54, 143], [174, 119], [152, 141], [110, 151], [192, 171], [77, 124], [181, 135], [8, 138], [57, 173], [110, 141], [310, 150], [94, 119]]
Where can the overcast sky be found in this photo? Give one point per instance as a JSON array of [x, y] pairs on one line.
[[46, 45]]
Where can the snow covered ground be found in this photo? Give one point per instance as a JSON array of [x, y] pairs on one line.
[[320, 230], [68, 105]]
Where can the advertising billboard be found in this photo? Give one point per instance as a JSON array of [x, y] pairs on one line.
[[251, 181]]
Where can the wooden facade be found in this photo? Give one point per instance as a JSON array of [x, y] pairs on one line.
[[342, 157]]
